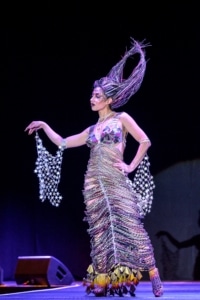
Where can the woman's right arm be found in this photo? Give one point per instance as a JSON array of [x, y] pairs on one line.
[[69, 142]]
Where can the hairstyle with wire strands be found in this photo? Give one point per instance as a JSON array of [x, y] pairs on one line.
[[115, 85]]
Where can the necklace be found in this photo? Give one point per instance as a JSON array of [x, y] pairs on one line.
[[102, 120]]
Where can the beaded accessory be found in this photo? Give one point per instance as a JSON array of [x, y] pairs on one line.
[[48, 170], [143, 185], [120, 280]]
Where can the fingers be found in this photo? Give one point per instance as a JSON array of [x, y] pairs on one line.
[[33, 126], [27, 128], [121, 166], [31, 131]]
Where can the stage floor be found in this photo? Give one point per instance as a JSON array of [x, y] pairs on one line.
[[172, 290]]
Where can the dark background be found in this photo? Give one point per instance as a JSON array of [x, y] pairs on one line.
[[50, 56]]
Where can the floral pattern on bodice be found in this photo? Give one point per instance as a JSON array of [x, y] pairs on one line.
[[112, 133]]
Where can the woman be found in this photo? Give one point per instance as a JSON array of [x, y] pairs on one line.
[[120, 246]]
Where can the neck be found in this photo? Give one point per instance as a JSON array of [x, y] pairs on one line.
[[105, 115]]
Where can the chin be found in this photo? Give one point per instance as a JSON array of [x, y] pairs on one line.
[[93, 108]]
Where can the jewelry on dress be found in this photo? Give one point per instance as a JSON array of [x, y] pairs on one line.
[[143, 184], [48, 170], [102, 120]]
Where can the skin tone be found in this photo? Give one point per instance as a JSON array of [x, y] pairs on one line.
[[101, 104]]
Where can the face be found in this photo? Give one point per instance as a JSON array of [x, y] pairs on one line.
[[98, 100]]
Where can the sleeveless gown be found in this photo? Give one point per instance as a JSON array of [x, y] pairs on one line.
[[120, 246]]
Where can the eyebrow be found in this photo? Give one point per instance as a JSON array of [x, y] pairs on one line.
[[98, 94]]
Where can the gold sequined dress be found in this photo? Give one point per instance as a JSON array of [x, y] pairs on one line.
[[120, 246]]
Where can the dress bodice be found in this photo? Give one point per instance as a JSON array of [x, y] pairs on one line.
[[111, 133]]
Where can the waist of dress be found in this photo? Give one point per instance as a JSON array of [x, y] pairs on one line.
[[105, 153]]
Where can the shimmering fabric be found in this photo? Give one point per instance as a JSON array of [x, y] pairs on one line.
[[118, 238], [111, 134]]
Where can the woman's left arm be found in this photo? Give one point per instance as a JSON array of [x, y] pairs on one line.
[[140, 136]]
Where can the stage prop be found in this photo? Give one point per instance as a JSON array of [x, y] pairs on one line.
[[42, 270]]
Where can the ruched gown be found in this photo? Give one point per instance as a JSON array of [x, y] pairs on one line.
[[120, 246]]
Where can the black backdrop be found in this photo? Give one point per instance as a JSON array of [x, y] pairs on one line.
[[50, 56]]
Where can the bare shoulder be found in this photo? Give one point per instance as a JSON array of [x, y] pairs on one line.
[[86, 132], [125, 117], [131, 126]]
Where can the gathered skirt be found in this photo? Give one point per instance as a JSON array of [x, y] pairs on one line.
[[120, 246]]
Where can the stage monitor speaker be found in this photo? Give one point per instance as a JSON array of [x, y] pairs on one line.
[[42, 270]]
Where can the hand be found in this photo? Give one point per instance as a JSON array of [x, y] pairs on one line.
[[124, 168], [34, 126]]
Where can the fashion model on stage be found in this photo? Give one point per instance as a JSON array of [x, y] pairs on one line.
[[115, 205]]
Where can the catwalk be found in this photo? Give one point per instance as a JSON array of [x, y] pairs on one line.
[[180, 290]]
